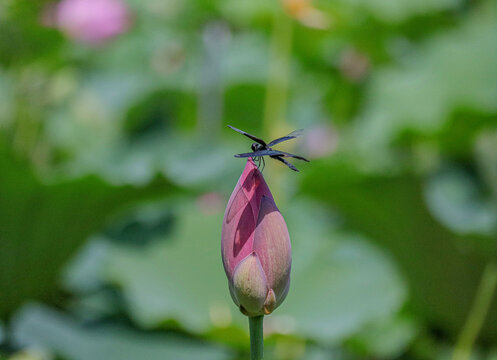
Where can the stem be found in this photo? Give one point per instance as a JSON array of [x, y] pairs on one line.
[[256, 337], [477, 314]]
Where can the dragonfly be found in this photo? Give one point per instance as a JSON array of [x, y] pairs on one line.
[[260, 149]]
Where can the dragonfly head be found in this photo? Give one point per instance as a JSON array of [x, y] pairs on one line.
[[256, 147]]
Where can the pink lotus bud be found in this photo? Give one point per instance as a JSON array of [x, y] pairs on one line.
[[92, 21], [255, 246]]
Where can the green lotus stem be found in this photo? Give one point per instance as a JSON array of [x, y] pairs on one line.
[[477, 314], [256, 337]]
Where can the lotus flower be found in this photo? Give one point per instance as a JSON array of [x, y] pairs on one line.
[[92, 21], [255, 246]]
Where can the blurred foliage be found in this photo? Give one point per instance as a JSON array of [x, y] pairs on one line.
[[37, 324], [116, 165], [443, 277], [35, 218]]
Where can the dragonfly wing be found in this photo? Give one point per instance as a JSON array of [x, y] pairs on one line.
[[282, 153], [275, 154], [286, 163], [258, 153], [255, 138], [270, 153], [292, 135]]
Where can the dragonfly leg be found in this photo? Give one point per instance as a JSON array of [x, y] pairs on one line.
[[257, 159]]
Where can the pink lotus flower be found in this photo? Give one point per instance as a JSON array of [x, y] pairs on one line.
[[92, 21], [255, 246]]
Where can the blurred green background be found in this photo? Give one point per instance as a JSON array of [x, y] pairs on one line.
[[116, 165]]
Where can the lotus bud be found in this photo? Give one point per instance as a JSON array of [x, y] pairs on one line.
[[255, 246]]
